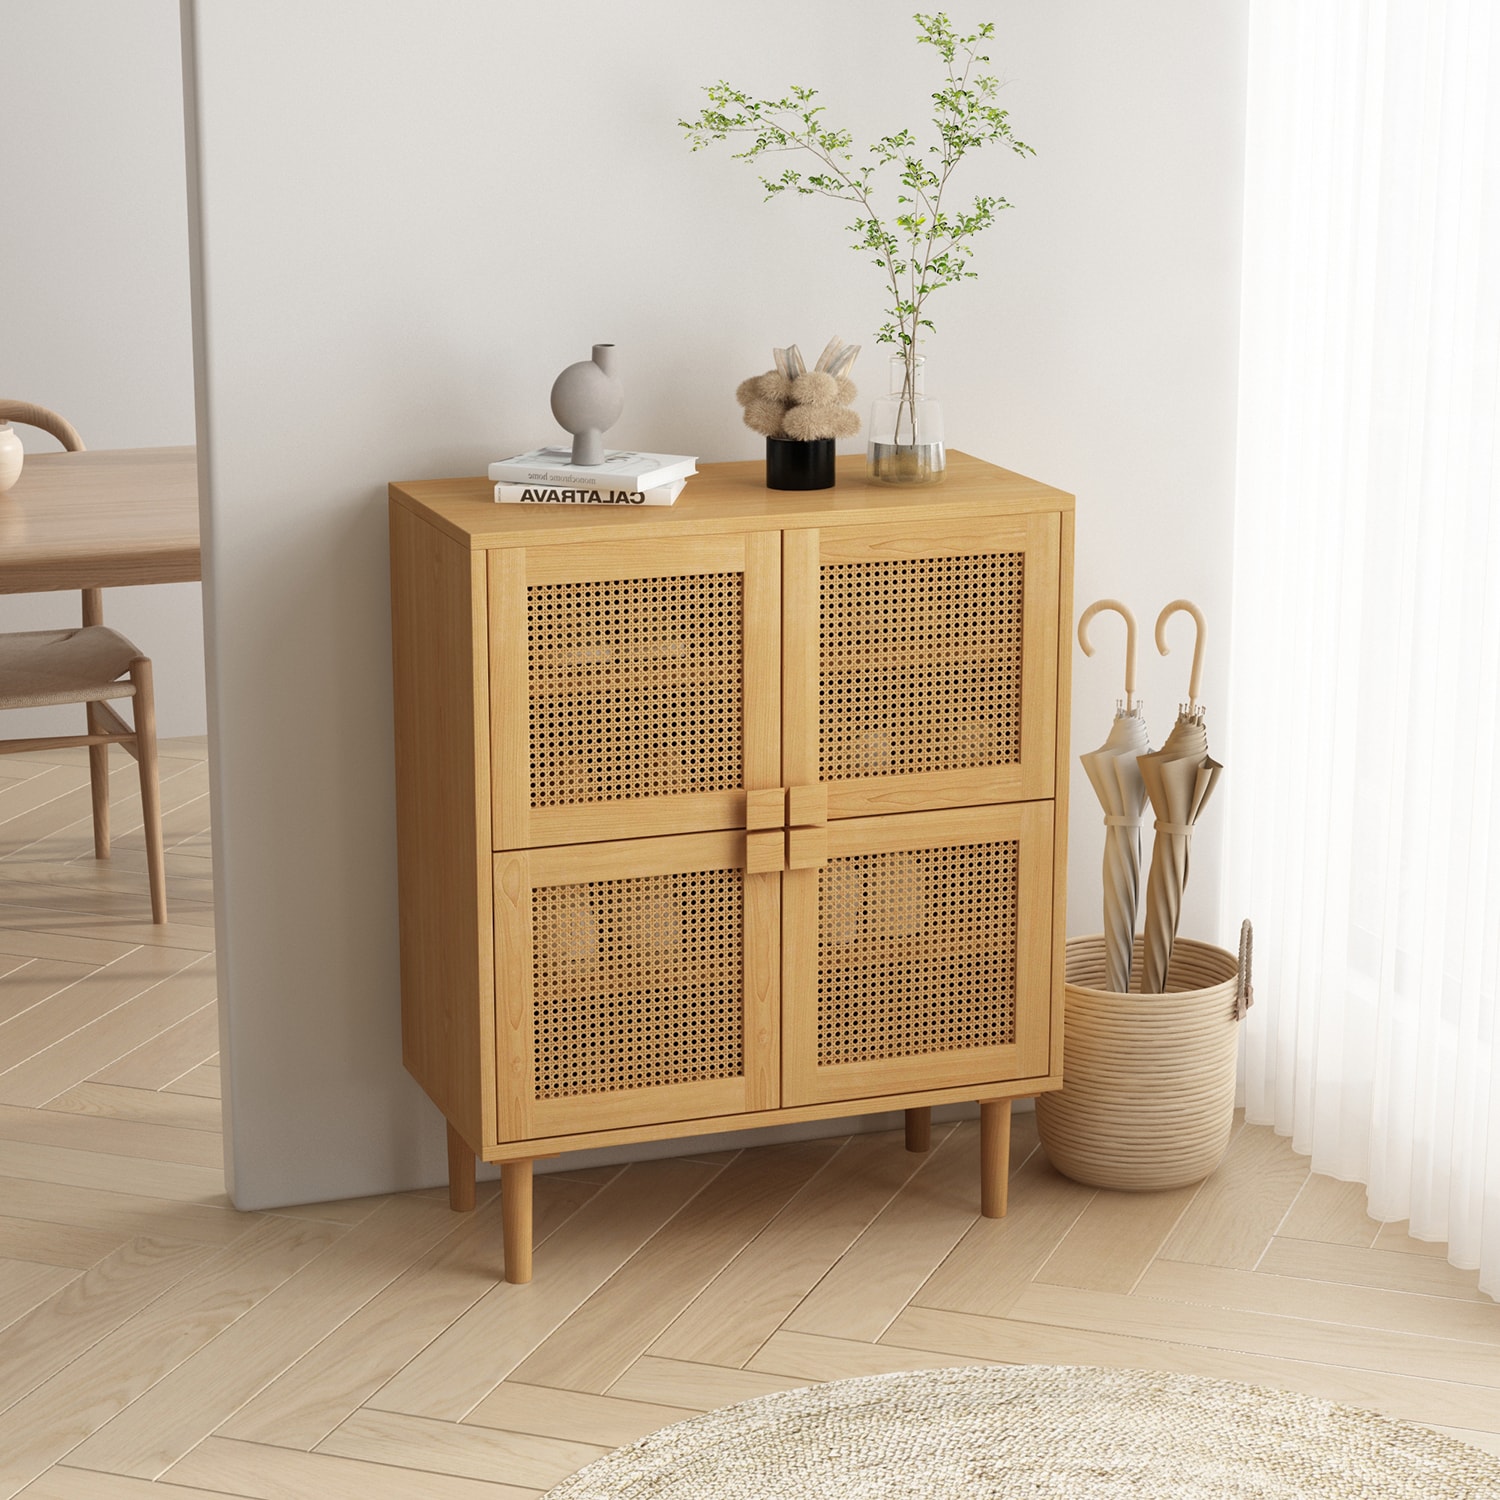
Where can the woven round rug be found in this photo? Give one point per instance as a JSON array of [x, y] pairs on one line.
[[1038, 1432]]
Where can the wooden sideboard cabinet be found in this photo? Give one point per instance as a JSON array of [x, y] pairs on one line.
[[745, 811]]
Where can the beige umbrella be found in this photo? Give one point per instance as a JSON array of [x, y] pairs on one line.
[[1116, 778], [1179, 779]]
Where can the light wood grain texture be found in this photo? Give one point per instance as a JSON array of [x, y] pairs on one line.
[[1231, 1220], [99, 1019], [1061, 783], [731, 498], [43, 1341], [63, 1483], [699, 1387], [484, 1346], [185, 1406], [112, 1137], [1323, 1341], [965, 1337], [56, 1244], [267, 1473], [785, 1115], [1330, 1212], [1396, 1236], [47, 1423], [169, 1054], [813, 1356], [1396, 1272], [26, 984], [1115, 1239], [746, 1303], [340, 1373], [107, 1101], [204, 1082], [515, 1197], [32, 931], [761, 608], [108, 1173], [624, 1317], [101, 519], [461, 1161], [440, 668], [576, 1416], [1286, 1296], [114, 1210], [469, 1452], [995, 1261], [875, 1278], [24, 1284], [994, 1157]]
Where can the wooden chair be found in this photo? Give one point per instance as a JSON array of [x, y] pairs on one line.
[[91, 666]]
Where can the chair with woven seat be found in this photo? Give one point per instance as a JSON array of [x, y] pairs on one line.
[[91, 665]]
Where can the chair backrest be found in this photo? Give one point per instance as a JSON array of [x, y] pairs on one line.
[[32, 415]]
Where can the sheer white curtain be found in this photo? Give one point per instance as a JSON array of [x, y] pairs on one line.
[[1364, 815]]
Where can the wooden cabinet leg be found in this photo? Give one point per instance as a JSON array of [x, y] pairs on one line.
[[994, 1157], [461, 1167], [515, 1211], [919, 1129]]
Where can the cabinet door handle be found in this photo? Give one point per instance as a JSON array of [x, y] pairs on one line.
[[807, 806], [806, 848], [765, 808], [765, 853]]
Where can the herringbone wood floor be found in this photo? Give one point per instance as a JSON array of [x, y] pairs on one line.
[[152, 1336]]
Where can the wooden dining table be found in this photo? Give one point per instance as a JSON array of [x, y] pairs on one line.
[[103, 518]]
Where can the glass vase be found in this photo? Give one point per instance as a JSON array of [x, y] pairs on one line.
[[906, 428]]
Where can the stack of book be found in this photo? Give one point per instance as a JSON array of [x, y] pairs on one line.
[[548, 476]]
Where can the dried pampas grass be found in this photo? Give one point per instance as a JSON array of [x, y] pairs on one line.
[[805, 405]]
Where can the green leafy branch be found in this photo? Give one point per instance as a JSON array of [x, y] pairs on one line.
[[923, 246]]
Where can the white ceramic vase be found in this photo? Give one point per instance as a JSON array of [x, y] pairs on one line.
[[12, 456]]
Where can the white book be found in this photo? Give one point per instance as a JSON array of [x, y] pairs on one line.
[[542, 494], [620, 470]]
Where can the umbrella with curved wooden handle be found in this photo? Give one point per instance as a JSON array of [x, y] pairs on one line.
[[1179, 779], [1115, 776]]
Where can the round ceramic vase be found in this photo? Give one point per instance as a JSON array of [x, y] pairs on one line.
[[587, 399]]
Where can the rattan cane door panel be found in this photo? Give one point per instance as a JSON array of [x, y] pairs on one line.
[[919, 956], [636, 982], [921, 664], [635, 688]]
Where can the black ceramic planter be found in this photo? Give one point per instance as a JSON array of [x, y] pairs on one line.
[[792, 465]]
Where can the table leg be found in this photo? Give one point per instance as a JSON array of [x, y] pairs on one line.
[[919, 1128]]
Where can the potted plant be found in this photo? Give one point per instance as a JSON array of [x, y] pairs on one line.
[[921, 247]]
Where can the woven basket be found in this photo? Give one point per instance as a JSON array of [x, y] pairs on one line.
[[1148, 1080]]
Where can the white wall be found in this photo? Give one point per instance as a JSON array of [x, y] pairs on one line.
[[413, 216], [94, 304]]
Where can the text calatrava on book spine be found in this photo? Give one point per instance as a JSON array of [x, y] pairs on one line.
[[519, 494], [531, 495]]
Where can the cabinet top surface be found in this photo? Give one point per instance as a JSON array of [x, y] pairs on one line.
[[728, 497]]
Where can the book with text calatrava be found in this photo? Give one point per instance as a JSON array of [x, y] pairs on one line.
[[545, 494], [554, 467]]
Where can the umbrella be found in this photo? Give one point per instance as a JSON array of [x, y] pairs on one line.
[[1116, 779], [1179, 779]]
